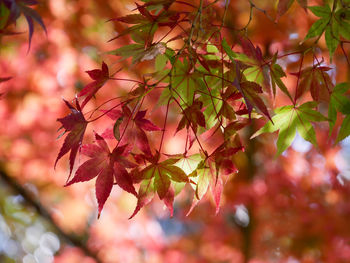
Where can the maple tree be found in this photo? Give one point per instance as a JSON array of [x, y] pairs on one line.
[[190, 71], [216, 89]]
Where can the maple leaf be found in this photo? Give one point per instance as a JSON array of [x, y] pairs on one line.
[[22, 6], [100, 77], [75, 124], [317, 28], [136, 135], [254, 67], [227, 111], [317, 81], [333, 24], [232, 128], [338, 26], [340, 23], [249, 49], [222, 158], [143, 123], [107, 167], [288, 120], [193, 116], [185, 82], [158, 178], [249, 90], [338, 103], [213, 172], [344, 129], [146, 24], [202, 177]]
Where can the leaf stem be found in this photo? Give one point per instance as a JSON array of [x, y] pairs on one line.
[[165, 120]]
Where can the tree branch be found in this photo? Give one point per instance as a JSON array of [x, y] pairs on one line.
[[42, 211]]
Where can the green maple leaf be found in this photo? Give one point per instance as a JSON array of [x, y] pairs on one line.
[[338, 103], [202, 176], [184, 82], [317, 28], [288, 120], [333, 24], [341, 21], [158, 177], [344, 129], [203, 180], [332, 37], [4, 15]]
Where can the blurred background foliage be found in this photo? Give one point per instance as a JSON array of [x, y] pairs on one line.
[[294, 209]]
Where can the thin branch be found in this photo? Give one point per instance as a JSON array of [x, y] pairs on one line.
[[165, 120], [42, 211], [343, 50]]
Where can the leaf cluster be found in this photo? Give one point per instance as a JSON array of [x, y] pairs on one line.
[[216, 86]]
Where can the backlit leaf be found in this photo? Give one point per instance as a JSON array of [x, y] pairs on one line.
[[289, 119], [75, 124], [321, 11], [338, 103], [317, 28], [100, 77], [106, 166], [344, 129], [163, 175], [332, 39]]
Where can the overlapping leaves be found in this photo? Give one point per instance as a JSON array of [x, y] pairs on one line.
[[145, 23], [335, 24], [316, 80], [158, 177], [217, 92]]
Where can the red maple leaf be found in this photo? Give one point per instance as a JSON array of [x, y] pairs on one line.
[[75, 124], [100, 76], [252, 94], [316, 80], [135, 134], [107, 167]]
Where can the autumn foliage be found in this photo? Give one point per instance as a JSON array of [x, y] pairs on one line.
[[215, 89], [189, 103]]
